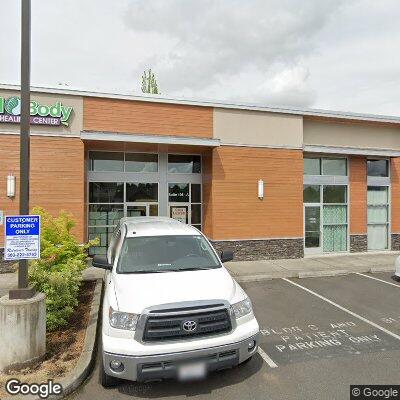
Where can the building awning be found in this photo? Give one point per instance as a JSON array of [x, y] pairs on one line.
[[156, 139], [351, 151]]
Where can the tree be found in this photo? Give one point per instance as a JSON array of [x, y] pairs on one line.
[[149, 83]]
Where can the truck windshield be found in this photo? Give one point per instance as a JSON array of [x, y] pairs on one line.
[[166, 253]]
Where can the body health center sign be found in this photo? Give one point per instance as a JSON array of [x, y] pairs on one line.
[[41, 114], [22, 237]]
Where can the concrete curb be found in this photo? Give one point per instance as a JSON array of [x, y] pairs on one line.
[[383, 268], [318, 274], [83, 367], [310, 274]]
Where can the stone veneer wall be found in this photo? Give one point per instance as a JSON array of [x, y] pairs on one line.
[[271, 249], [358, 243], [395, 239]]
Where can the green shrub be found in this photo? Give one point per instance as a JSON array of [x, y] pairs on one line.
[[58, 271]]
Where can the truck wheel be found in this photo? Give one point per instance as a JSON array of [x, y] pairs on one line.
[[107, 380]]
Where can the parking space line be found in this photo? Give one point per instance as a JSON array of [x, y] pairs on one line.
[[266, 358], [381, 328], [377, 279]]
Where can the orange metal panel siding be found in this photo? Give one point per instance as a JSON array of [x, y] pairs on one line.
[[358, 195], [112, 115], [395, 194], [9, 164], [57, 176], [234, 210]]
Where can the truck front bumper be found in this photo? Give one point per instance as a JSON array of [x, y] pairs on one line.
[[147, 368]]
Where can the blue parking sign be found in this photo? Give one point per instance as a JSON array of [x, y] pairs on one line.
[[22, 237]]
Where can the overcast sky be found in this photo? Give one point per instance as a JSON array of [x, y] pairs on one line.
[[331, 54]]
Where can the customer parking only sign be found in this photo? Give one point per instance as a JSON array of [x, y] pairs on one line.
[[22, 237]]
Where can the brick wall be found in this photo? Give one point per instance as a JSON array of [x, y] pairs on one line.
[[112, 115], [358, 195], [57, 176], [232, 209]]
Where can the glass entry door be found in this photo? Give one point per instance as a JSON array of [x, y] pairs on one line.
[[312, 229], [179, 212]]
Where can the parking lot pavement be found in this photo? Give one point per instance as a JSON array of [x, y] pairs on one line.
[[319, 335]]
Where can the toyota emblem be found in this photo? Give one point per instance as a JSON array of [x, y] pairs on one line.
[[189, 326]]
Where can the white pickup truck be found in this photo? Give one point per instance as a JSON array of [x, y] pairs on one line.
[[170, 308]]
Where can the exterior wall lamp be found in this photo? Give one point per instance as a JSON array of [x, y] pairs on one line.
[[11, 186], [260, 189]]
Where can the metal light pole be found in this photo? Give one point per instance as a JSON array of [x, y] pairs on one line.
[[23, 291]]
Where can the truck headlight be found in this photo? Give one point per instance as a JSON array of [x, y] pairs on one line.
[[242, 308], [123, 320]]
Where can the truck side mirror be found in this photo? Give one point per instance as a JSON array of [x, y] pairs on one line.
[[101, 262], [226, 255]]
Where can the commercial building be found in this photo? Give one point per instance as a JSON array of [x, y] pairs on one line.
[[268, 182]]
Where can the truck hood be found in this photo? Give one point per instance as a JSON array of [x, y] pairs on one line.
[[135, 292]]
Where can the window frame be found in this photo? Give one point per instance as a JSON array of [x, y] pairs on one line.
[[376, 176], [189, 203], [162, 177], [321, 165], [185, 173], [124, 152], [388, 223], [321, 204]]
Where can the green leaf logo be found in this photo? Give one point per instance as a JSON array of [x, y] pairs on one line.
[[13, 106]]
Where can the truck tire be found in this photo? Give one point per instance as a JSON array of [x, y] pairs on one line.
[[106, 380]]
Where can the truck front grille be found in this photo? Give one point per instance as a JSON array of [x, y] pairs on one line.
[[197, 323]]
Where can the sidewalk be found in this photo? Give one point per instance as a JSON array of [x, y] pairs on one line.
[[327, 265], [248, 271]]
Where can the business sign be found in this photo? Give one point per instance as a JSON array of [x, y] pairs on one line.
[[179, 213], [41, 114], [22, 237]]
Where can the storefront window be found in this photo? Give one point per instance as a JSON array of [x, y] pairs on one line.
[[311, 194], [335, 194], [106, 192], [185, 203], [325, 221], [325, 166], [105, 214], [312, 166], [195, 193], [103, 218], [103, 234], [137, 186], [141, 162], [334, 218], [378, 217], [184, 164], [334, 166], [141, 192], [378, 168], [106, 161], [178, 192]]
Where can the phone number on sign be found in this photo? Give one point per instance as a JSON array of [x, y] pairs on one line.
[[25, 254]]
